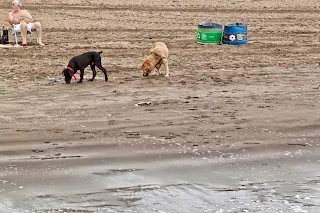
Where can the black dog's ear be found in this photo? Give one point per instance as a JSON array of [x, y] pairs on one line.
[[65, 71]]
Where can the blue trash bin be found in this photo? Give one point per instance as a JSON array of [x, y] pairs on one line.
[[235, 34]]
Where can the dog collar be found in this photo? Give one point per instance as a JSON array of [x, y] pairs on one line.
[[159, 62], [70, 68]]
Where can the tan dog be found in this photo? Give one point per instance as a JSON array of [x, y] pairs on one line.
[[158, 56]]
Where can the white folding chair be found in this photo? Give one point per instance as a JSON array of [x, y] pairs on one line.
[[15, 33]]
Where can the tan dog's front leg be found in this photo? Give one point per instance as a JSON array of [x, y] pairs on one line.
[[158, 68], [166, 66]]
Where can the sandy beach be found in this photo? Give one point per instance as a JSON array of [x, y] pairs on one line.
[[234, 129]]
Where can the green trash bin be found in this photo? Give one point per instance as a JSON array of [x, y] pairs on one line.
[[209, 33]]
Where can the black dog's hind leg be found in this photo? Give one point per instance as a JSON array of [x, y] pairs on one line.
[[94, 72], [81, 76], [98, 64]]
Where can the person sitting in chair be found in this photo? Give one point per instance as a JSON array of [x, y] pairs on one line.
[[24, 22]]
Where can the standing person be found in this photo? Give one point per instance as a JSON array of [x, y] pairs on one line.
[[24, 22]]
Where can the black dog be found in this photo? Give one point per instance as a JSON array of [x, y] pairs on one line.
[[80, 62]]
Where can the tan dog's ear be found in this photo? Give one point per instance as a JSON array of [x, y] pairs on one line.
[[146, 64], [156, 56], [143, 65]]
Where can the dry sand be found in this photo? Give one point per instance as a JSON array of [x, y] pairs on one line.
[[234, 129]]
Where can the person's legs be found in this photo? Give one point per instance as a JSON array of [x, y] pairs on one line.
[[23, 28], [37, 27]]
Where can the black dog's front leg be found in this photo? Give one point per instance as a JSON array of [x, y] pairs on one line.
[[81, 76]]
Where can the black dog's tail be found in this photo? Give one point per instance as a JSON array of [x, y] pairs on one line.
[[100, 52]]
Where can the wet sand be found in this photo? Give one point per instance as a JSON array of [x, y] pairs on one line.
[[234, 129]]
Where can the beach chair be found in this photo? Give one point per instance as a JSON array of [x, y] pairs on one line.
[[15, 34]]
